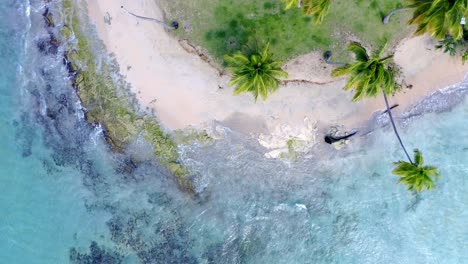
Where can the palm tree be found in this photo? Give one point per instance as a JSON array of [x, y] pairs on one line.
[[439, 18], [255, 72], [315, 8], [415, 175], [370, 75]]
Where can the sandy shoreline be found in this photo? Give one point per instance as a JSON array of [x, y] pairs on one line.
[[186, 91]]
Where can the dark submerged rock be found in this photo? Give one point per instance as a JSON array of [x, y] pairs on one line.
[[330, 139], [97, 255], [48, 45], [48, 18]]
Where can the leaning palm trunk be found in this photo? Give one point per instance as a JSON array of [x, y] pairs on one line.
[[389, 111], [387, 17]]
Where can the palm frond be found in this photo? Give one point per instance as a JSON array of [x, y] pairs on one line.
[[359, 51], [418, 158], [340, 71], [290, 3], [439, 18], [416, 176], [369, 76], [318, 9], [255, 72]]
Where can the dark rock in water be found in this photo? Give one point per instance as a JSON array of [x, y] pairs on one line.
[[332, 139], [96, 255], [116, 229], [62, 99], [48, 18], [127, 166], [49, 167], [51, 114], [48, 45], [159, 198]]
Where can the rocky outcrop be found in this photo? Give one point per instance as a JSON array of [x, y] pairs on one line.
[[103, 99]]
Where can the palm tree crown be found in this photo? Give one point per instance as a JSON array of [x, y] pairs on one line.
[[256, 72], [369, 75], [315, 8], [439, 17], [415, 175]]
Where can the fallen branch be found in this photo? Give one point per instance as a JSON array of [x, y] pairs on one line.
[[174, 25]]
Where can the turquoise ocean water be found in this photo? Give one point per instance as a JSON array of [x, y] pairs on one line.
[[64, 198]]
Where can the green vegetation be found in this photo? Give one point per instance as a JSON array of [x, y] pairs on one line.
[[442, 19], [464, 56], [190, 135], [449, 45], [106, 102], [226, 26], [369, 76], [453, 47], [415, 175], [317, 9], [439, 18], [255, 72]]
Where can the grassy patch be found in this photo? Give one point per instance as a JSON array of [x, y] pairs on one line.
[[107, 104], [224, 26]]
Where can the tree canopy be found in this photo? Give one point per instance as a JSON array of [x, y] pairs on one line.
[[369, 74], [416, 176], [256, 72], [439, 17]]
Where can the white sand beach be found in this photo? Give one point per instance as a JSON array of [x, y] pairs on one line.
[[184, 90]]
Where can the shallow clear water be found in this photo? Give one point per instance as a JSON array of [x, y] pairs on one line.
[[64, 194]]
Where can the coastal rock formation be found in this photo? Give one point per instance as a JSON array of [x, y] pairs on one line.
[[286, 141], [104, 100]]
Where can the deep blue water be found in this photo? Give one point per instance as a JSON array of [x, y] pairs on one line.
[[64, 198]]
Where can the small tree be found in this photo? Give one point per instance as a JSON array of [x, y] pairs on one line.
[[255, 72]]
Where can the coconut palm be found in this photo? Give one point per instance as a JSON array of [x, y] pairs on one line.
[[439, 18], [255, 72], [315, 8], [415, 175], [371, 75]]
